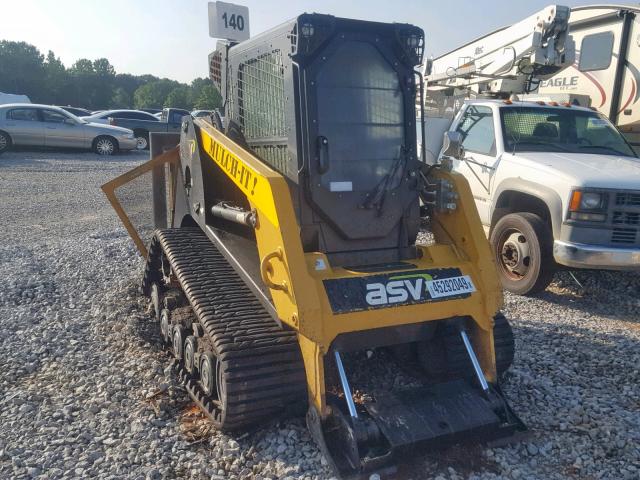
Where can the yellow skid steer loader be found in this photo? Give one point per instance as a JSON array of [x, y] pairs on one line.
[[286, 239]]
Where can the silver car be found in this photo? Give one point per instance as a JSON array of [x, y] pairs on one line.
[[27, 124]]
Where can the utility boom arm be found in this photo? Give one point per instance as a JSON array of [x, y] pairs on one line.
[[506, 60]]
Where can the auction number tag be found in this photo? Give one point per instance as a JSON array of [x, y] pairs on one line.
[[228, 21], [448, 287]]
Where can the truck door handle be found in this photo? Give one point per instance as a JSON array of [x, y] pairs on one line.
[[322, 152]]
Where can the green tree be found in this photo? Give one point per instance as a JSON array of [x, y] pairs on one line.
[[120, 99], [209, 98], [94, 84], [82, 90], [129, 83], [104, 82], [178, 98], [55, 79], [153, 94], [22, 70]]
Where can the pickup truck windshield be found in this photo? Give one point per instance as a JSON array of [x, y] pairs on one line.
[[539, 129]]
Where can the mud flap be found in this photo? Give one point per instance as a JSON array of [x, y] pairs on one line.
[[131, 196], [408, 421]]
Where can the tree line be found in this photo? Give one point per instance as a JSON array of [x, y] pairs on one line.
[[94, 84]]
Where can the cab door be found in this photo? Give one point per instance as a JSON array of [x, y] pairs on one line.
[[477, 126], [61, 130], [174, 121], [24, 126]]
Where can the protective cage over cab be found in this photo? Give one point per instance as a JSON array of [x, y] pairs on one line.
[[330, 103]]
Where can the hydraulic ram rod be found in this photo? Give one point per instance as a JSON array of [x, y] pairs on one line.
[[233, 214], [345, 386]]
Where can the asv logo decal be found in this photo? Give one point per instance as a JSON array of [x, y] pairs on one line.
[[398, 290], [411, 288]]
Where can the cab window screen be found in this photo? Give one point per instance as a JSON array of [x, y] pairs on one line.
[[360, 114], [596, 51]]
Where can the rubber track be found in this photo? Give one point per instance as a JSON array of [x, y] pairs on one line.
[[260, 360]]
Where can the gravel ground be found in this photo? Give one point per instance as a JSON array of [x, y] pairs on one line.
[[86, 391]]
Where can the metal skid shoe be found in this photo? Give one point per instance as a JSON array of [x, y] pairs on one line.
[[371, 437]]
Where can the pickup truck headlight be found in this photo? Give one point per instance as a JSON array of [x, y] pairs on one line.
[[587, 206]]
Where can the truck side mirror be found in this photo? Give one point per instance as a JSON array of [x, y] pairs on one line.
[[452, 145]]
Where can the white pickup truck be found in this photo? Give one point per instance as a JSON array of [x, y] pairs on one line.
[[554, 185]]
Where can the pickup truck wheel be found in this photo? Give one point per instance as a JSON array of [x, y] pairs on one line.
[[142, 139], [5, 142], [105, 145], [522, 245]]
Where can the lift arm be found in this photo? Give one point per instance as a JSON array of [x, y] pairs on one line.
[[506, 60]]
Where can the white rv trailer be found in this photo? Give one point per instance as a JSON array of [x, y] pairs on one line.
[[13, 98], [607, 64], [506, 61]]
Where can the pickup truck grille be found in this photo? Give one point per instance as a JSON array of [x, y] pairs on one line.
[[626, 218], [624, 235], [629, 199]]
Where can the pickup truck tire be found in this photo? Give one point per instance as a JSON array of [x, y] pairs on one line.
[[5, 142], [522, 245], [142, 139], [105, 145]]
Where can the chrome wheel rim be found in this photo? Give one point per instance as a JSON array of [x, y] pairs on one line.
[[105, 146], [4, 143], [141, 143]]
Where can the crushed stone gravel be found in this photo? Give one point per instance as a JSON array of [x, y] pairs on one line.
[[87, 392]]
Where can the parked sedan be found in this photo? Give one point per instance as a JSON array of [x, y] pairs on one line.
[[78, 112], [104, 116], [26, 124], [201, 113]]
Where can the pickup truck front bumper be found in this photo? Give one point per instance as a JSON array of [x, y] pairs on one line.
[[579, 255]]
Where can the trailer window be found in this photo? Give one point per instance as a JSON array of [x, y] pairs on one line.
[[596, 52], [476, 127]]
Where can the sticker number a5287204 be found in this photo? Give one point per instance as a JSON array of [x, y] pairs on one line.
[[448, 287]]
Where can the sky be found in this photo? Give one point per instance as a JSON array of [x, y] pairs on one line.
[[170, 38]]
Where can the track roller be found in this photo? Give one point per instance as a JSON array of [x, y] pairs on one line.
[[190, 351], [165, 325], [178, 342], [235, 361]]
